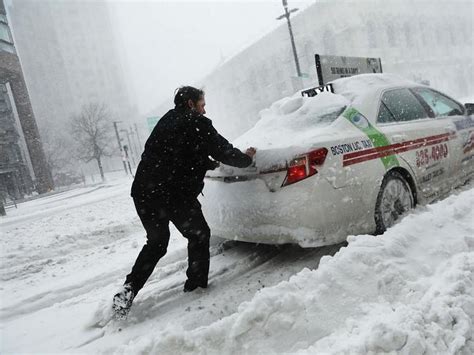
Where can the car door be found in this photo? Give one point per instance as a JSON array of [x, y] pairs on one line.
[[461, 144], [416, 137]]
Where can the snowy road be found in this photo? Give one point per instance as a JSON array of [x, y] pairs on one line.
[[65, 255], [409, 291]]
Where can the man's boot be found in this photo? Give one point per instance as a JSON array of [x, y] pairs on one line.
[[191, 286], [123, 301]]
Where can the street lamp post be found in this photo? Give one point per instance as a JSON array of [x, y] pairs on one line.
[[129, 145], [287, 16]]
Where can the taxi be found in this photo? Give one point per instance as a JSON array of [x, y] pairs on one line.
[[351, 157]]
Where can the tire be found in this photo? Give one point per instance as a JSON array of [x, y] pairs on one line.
[[394, 199]]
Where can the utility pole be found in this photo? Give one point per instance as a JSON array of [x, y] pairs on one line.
[[120, 146], [125, 148], [138, 137], [136, 146], [287, 16]]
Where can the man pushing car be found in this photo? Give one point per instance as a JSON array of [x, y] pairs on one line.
[[168, 180]]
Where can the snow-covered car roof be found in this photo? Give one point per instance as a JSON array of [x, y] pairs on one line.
[[294, 123], [301, 118], [357, 87]]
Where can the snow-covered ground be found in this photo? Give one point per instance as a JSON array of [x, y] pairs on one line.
[[62, 258]]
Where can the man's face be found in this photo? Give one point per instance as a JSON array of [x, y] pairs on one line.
[[198, 106]]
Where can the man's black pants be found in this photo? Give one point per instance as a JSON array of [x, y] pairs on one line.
[[189, 220]]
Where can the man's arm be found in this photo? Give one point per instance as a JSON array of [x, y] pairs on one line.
[[223, 151]]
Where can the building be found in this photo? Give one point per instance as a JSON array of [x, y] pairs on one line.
[[71, 58], [22, 160], [420, 40]]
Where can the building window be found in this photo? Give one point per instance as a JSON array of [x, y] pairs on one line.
[[408, 37], [454, 36], [329, 42], [371, 35], [392, 41], [7, 47], [441, 34], [424, 30]]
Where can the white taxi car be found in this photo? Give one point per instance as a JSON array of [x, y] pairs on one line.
[[351, 157]]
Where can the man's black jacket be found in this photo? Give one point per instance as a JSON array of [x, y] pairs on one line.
[[176, 157]]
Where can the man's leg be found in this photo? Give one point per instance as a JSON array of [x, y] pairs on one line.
[[156, 223], [190, 221]]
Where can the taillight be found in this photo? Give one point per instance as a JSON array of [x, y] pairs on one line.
[[304, 166]]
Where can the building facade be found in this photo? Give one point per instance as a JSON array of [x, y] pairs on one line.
[[417, 39], [22, 161], [71, 58]]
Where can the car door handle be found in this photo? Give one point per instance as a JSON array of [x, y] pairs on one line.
[[398, 138]]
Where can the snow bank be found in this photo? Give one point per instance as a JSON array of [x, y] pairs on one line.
[[409, 291]]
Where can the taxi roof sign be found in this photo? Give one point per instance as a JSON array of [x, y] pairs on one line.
[[317, 90], [331, 67]]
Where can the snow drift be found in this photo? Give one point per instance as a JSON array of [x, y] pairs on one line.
[[409, 291]]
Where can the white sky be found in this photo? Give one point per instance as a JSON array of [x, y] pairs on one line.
[[173, 43]]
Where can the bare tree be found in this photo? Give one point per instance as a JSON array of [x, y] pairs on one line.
[[91, 131], [57, 148]]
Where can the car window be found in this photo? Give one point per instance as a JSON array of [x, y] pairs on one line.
[[403, 105], [441, 105], [330, 116], [384, 114]]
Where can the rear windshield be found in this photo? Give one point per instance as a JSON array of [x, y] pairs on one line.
[[320, 110], [330, 116]]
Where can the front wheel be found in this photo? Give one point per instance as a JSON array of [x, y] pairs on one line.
[[395, 198]]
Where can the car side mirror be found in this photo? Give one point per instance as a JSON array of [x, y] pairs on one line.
[[469, 109]]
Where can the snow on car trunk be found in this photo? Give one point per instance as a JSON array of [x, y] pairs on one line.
[[291, 126]]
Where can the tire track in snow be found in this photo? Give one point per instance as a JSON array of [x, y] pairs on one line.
[[157, 300], [158, 297], [247, 267], [75, 293]]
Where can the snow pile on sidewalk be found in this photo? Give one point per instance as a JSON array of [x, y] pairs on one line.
[[409, 291]]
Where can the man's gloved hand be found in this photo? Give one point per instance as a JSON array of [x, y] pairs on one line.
[[212, 164], [251, 152]]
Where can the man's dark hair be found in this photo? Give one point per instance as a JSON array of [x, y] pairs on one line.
[[185, 93]]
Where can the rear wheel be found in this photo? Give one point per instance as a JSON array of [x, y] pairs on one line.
[[395, 198]]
